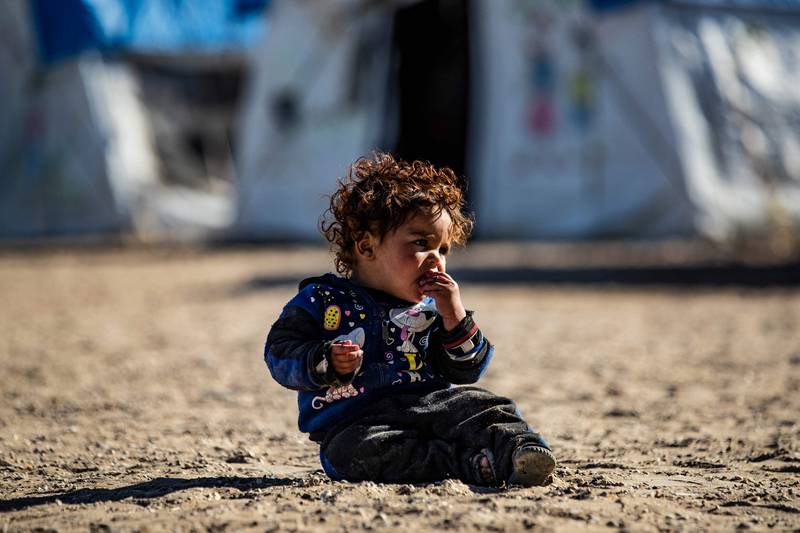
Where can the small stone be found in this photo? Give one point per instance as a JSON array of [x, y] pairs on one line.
[[405, 489]]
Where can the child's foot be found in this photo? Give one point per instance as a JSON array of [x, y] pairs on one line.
[[483, 468], [531, 466]]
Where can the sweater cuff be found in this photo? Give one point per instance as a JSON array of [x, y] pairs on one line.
[[464, 341], [461, 333], [321, 366]]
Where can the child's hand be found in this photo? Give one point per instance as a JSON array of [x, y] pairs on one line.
[[444, 289], [346, 357]]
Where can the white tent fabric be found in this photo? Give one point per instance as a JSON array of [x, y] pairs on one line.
[[73, 161], [559, 151], [732, 81], [76, 150], [303, 119], [659, 119]]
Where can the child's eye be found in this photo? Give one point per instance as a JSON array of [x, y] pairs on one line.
[[421, 242]]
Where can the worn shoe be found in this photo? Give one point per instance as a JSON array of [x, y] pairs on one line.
[[531, 466]]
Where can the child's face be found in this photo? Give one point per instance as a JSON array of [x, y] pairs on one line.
[[404, 256]]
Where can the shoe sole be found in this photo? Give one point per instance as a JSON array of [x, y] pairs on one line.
[[532, 466]]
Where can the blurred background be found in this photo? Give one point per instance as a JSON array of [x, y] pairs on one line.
[[230, 120], [634, 167]]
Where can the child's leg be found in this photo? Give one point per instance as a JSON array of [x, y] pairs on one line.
[[479, 422], [368, 450], [417, 439]]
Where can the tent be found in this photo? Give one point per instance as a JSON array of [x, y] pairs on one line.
[[77, 154], [63, 167], [569, 119]]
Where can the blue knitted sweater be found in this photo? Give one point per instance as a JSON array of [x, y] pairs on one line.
[[403, 346]]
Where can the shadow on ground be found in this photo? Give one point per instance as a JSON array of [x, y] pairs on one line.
[[145, 490]]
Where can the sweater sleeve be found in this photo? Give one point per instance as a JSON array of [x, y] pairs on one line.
[[295, 352], [462, 354]]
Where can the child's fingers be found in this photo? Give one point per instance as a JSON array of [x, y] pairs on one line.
[[436, 287], [443, 276], [344, 348], [346, 366], [440, 282], [348, 356], [438, 276]]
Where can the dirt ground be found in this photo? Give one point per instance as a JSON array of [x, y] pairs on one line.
[[135, 397]]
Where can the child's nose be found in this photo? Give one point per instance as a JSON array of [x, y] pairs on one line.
[[435, 260]]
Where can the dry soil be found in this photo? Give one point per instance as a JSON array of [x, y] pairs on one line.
[[134, 397]]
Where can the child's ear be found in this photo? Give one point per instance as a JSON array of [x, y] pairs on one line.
[[365, 246]]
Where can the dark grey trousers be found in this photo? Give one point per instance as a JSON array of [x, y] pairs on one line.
[[416, 439]]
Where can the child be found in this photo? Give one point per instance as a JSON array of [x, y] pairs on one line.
[[373, 354]]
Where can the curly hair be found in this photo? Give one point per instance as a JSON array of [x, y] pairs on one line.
[[380, 193]]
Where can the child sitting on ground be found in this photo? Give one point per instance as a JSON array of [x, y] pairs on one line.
[[374, 353]]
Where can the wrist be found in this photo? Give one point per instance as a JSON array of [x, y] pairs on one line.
[[451, 322], [461, 332], [324, 367]]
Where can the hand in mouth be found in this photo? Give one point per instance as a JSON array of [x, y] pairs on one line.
[[427, 276]]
